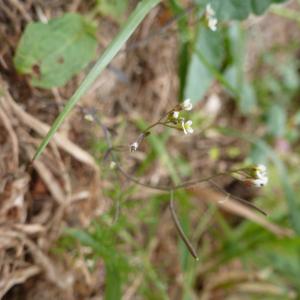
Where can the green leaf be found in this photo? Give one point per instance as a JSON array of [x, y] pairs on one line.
[[52, 53], [239, 9], [84, 237], [260, 6], [231, 9], [276, 120], [248, 98], [113, 282], [235, 71], [184, 43], [128, 28], [209, 50], [257, 155], [283, 255]]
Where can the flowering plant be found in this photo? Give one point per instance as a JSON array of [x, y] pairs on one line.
[[255, 175]]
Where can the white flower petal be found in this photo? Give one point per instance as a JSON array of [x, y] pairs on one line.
[[187, 105], [186, 126], [260, 181], [112, 165], [188, 123], [190, 130], [210, 15], [133, 147], [209, 10], [212, 24], [261, 171], [89, 117], [261, 168], [175, 114]]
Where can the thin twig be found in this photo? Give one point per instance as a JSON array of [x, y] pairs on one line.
[[167, 188], [5, 118], [179, 228]]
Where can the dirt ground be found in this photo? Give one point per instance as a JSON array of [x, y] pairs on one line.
[[64, 187]]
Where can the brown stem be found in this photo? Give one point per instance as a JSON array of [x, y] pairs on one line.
[[169, 188], [179, 228], [239, 199]]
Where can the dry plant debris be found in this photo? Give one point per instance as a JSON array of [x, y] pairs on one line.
[[32, 211]]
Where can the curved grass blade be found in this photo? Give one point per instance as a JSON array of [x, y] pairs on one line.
[[142, 9]]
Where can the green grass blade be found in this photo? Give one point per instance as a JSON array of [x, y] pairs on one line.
[[216, 73], [113, 282], [142, 9], [184, 38]]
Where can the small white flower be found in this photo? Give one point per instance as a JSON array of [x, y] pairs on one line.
[[261, 171], [210, 15], [259, 182], [209, 10], [133, 147], [261, 177], [212, 24], [175, 114], [89, 117], [187, 127], [187, 105], [112, 165], [254, 175]]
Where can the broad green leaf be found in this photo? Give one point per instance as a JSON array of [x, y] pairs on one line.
[[248, 98], [209, 50], [247, 7], [260, 6], [231, 9], [276, 119], [238, 9], [245, 93], [142, 9], [184, 53], [257, 155], [234, 74], [52, 53]]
